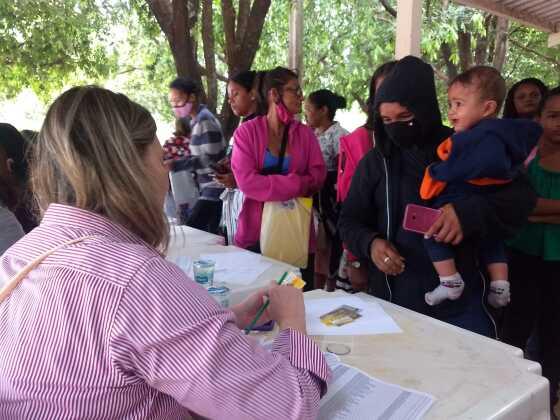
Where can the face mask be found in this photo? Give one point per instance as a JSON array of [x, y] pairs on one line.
[[283, 114], [183, 111], [404, 134]]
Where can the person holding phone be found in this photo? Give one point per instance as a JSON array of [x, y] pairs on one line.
[[207, 145], [245, 100], [408, 130], [353, 148], [483, 155]]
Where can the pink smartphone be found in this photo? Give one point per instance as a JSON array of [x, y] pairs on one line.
[[419, 219]]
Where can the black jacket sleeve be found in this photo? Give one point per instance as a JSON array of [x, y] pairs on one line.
[[358, 219], [498, 214]]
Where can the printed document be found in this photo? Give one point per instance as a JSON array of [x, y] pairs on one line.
[[354, 395]]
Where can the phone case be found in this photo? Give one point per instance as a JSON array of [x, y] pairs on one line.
[[419, 219]]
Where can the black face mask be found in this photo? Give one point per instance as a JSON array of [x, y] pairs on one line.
[[404, 134]]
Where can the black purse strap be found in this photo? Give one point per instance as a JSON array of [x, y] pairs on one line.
[[283, 147], [277, 169]]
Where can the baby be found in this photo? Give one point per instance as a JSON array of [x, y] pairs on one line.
[[483, 154]]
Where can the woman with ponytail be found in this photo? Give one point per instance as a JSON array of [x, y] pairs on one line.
[[276, 159], [320, 109]]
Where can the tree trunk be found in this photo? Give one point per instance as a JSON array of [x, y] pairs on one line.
[[465, 52], [177, 20], [177, 23], [209, 54], [481, 43], [450, 66], [501, 44], [241, 45]]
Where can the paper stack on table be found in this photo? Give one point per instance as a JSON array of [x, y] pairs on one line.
[[372, 318], [354, 395]]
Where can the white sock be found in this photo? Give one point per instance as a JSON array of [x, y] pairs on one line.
[[450, 287], [499, 295]]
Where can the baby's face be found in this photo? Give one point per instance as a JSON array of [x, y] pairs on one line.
[[466, 107]]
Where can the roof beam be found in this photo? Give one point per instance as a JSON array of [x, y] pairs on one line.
[[510, 13]]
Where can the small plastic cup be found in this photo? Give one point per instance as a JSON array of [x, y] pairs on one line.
[[204, 272], [221, 294]]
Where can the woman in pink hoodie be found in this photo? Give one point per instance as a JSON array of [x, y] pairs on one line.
[[353, 147], [260, 168]]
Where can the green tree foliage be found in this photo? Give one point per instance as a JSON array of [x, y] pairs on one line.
[[47, 44]]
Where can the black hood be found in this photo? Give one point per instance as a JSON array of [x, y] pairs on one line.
[[411, 84]]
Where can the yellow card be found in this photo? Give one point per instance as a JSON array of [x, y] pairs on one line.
[[293, 280]]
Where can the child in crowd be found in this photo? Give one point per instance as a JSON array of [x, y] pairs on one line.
[[177, 147], [482, 154], [184, 190]]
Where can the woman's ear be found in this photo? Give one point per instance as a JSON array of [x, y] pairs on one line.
[[274, 95], [253, 95]]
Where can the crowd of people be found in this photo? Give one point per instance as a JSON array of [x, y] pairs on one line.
[[97, 283]]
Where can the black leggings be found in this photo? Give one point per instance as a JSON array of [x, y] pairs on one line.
[[206, 216], [535, 301]]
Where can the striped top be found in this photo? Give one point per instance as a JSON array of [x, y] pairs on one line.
[[108, 329], [232, 199], [207, 146]]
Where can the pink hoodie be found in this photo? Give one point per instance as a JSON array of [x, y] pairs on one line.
[[353, 147], [305, 177]]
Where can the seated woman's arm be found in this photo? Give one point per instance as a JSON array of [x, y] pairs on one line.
[[272, 187], [172, 335], [499, 214]]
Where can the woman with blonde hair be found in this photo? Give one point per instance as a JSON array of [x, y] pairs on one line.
[[95, 323]]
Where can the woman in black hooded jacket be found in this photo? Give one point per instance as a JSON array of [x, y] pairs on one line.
[[388, 178]]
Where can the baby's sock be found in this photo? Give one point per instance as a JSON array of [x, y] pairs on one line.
[[450, 287], [499, 295]]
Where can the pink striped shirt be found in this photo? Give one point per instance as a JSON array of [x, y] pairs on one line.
[[108, 329]]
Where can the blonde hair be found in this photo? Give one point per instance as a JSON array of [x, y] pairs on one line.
[[89, 154]]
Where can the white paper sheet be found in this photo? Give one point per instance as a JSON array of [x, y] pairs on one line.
[[374, 319], [354, 395], [237, 268]]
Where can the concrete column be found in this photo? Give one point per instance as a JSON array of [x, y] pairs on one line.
[[295, 48], [554, 40], [409, 24]]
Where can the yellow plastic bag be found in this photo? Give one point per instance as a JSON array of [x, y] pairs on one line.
[[285, 230]]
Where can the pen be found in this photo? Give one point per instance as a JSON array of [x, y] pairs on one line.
[[263, 307]]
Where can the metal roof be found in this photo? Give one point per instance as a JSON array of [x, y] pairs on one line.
[[541, 14]]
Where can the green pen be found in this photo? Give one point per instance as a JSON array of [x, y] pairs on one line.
[[263, 307]]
